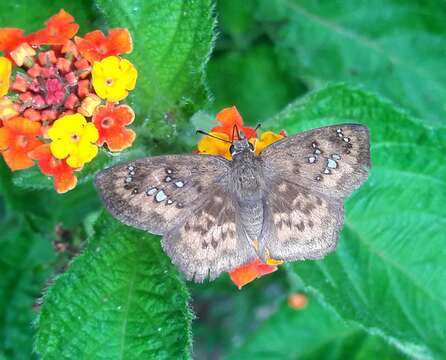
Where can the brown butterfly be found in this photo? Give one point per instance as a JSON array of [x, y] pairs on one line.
[[215, 215]]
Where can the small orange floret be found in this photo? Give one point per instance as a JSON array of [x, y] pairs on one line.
[[95, 46], [10, 39], [297, 301], [59, 29], [249, 272], [17, 138], [110, 120], [64, 179], [230, 117]]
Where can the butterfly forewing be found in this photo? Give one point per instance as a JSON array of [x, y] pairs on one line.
[[308, 176], [332, 160], [211, 240], [157, 193]]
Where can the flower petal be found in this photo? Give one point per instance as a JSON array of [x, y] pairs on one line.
[[5, 74], [229, 117], [4, 138], [61, 148], [266, 139], [90, 133], [249, 272], [210, 145], [17, 160], [122, 140], [23, 126], [65, 182]]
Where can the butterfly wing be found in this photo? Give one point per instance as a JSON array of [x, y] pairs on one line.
[[157, 193], [299, 224], [332, 160], [308, 176], [211, 240]]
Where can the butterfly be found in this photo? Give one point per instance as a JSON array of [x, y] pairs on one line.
[[287, 203]]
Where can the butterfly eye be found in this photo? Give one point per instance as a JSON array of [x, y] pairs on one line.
[[251, 146], [232, 149]]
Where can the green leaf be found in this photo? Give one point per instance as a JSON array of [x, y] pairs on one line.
[[120, 299], [395, 48], [312, 333], [226, 316], [24, 268], [30, 15], [388, 272], [249, 78], [237, 26], [172, 42]]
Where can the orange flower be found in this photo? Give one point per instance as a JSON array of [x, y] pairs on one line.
[[95, 46], [110, 120], [17, 138], [64, 179], [249, 272], [297, 301], [10, 39], [59, 29], [230, 117]]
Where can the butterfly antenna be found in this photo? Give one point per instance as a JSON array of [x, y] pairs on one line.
[[233, 132], [212, 136], [257, 127], [234, 129]]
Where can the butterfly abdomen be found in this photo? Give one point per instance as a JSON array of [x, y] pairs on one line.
[[251, 214]]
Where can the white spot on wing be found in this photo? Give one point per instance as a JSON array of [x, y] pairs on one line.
[[218, 199], [332, 164], [160, 196], [151, 191], [179, 184]]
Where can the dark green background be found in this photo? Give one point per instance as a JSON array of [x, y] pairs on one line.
[[290, 64]]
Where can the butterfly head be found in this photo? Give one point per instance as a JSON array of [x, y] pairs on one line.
[[240, 146]]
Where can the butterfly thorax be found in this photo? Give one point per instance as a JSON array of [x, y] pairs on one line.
[[247, 176], [247, 185]]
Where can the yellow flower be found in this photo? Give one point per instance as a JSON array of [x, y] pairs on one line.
[[72, 136], [7, 109], [89, 105], [212, 146], [267, 138], [5, 73], [23, 54], [112, 78]]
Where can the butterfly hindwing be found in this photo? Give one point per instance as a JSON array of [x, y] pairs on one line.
[[332, 160], [157, 193], [211, 240], [299, 224]]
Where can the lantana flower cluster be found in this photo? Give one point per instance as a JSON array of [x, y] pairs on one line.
[[228, 119], [60, 97]]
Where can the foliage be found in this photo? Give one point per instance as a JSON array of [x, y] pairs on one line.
[[110, 292], [124, 297]]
